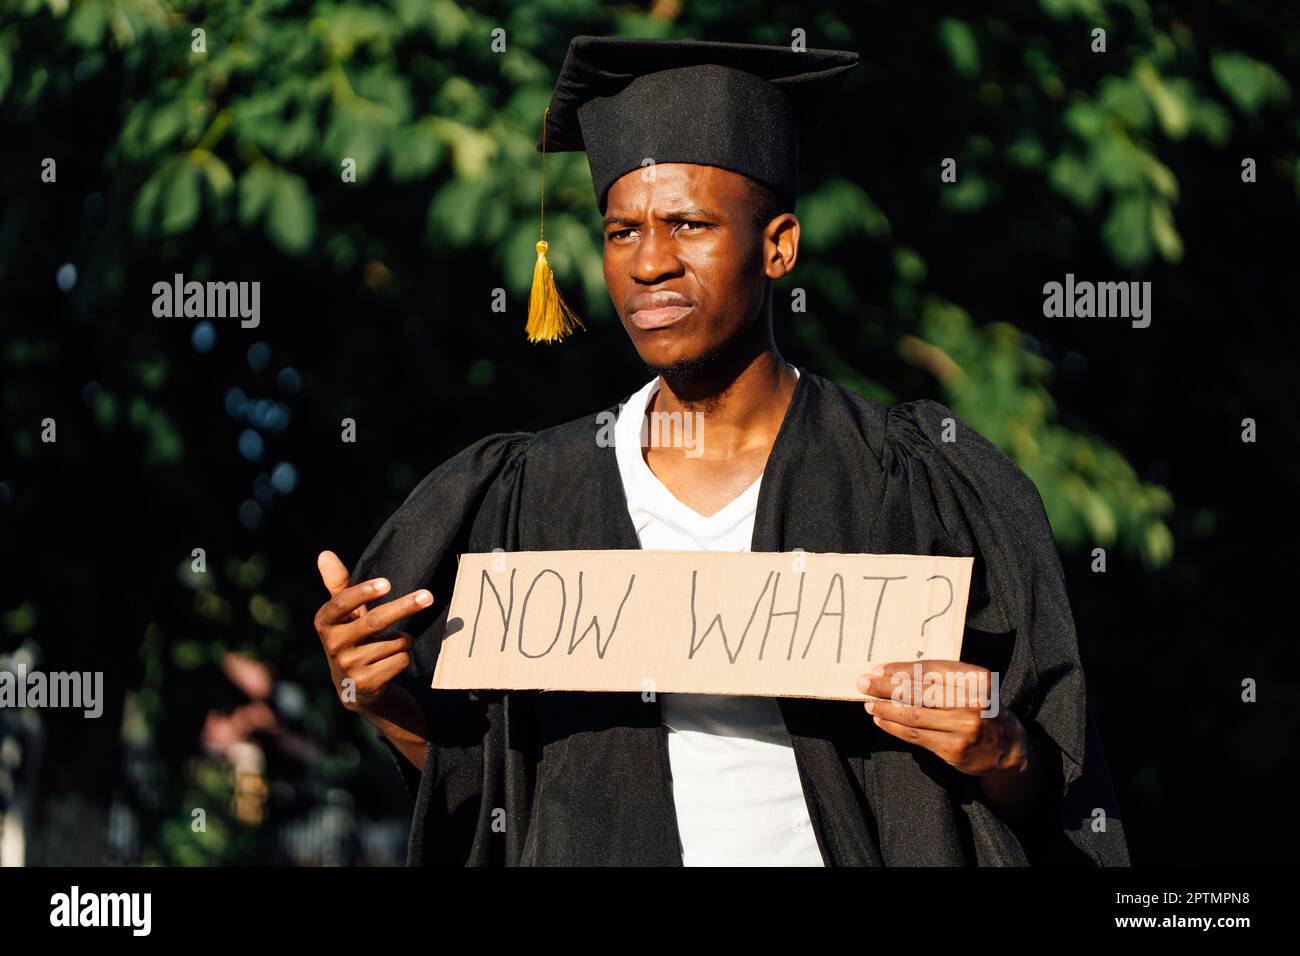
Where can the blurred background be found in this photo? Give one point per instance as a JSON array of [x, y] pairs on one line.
[[218, 155]]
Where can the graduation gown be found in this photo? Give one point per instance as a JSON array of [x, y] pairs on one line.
[[568, 778]]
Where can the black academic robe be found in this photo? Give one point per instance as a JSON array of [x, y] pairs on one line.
[[560, 778]]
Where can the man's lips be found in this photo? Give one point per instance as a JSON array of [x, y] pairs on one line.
[[659, 318], [658, 310]]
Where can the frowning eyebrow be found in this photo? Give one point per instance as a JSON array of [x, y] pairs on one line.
[[676, 215]]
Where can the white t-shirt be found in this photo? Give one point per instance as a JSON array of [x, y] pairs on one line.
[[736, 788]]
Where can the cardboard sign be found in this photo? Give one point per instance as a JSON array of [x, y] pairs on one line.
[[788, 624]]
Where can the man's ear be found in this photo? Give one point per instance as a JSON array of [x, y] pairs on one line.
[[781, 242]]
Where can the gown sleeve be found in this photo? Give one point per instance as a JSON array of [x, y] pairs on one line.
[[417, 547], [968, 498]]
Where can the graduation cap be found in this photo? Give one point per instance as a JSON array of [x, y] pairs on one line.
[[749, 108]]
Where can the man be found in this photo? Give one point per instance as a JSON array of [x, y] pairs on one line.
[[694, 240]]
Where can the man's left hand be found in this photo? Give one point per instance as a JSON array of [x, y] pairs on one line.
[[951, 726]]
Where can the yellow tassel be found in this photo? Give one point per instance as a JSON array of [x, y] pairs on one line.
[[549, 316]]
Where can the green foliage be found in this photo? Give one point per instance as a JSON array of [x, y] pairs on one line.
[[1252, 85], [1091, 493]]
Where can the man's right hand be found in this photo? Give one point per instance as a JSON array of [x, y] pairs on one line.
[[362, 665]]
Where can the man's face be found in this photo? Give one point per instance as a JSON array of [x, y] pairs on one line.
[[684, 262]]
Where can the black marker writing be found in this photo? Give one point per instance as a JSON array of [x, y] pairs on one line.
[[947, 580], [951, 594], [717, 622], [524, 610], [574, 640], [884, 583], [773, 612], [505, 614], [839, 647]]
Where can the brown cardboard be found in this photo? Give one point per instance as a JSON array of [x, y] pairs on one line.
[[704, 622]]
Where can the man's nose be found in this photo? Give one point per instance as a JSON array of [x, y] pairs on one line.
[[655, 256]]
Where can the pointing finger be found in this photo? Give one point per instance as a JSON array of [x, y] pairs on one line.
[[349, 603], [384, 616]]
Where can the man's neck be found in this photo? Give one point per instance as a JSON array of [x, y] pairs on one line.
[[743, 403]]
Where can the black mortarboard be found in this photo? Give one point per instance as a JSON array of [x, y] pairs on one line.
[[749, 108]]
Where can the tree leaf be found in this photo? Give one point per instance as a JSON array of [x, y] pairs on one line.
[[1126, 232], [1165, 234], [255, 188], [959, 40], [1250, 83], [181, 200], [291, 218]]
